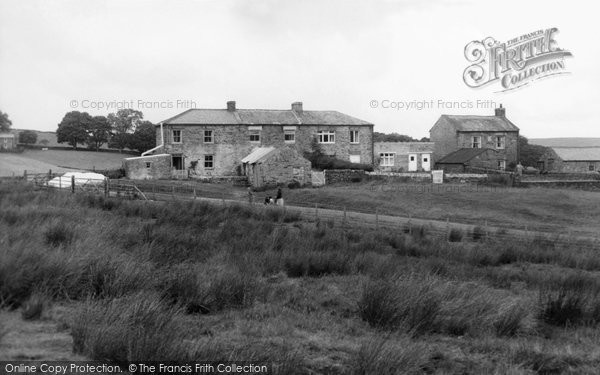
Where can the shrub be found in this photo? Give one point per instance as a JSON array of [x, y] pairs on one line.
[[59, 234], [34, 307], [455, 235]]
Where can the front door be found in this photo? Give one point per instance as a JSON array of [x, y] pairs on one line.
[[426, 162], [177, 162], [412, 162]]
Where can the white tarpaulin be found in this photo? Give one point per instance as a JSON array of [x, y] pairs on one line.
[[81, 179]]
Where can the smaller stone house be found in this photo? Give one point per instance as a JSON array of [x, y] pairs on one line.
[[462, 160], [7, 141], [151, 167], [404, 156], [270, 166], [570, 160]]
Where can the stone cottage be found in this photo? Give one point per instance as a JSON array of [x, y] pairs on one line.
[[453, 132], [270, 166], [404, 156], [213, 142], [570, 160]]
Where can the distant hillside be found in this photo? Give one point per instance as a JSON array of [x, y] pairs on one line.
[[49, 136], [566, 142]]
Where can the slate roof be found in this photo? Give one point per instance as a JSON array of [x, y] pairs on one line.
[[462, 155], [262, 117], [469, 123], [257, 154], [578, 153]]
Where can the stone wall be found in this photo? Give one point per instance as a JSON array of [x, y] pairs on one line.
[[148, 167], [333, 176], [231, 143]]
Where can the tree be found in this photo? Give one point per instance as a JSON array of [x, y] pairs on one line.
[[44, 142], [73, 128], [144, 137], [530, 154], [5, 122], [28, 137], [123, 124], [392, 137], [98, 132]]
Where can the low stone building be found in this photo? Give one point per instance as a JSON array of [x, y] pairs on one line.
[[570, 160], [404, 156], [7, 141], [464, 159], [270, 166], [151, 167]]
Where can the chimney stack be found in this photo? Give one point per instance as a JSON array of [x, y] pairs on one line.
[[231, 106], [297, 107], [501, 112]]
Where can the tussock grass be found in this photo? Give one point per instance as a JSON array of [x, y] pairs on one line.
[[35, 306]]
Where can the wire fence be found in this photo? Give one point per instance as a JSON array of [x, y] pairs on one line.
[[332, 215]]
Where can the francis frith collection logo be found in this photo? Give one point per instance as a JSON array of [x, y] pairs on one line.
[[514, 63]]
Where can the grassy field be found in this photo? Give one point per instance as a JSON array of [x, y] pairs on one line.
[[189, 281], [544, 209], [37, 161]]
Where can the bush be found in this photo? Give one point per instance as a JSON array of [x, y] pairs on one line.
[[455, 235], [59, 234], [34, 307]]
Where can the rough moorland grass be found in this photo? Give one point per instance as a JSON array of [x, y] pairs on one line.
[[35, 306]]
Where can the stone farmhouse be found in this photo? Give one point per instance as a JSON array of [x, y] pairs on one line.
[[454, 132], [571, 160], [404, 156], [213, 142]]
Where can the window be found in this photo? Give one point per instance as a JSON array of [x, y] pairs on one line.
[[289, 136], [500, 142], [326, 136], [255, 136], [476, 142], [387, 159], [148, 164], [176, 136], [208, 136], [354, 136], [209, 161], [592, 167], [501, 165]]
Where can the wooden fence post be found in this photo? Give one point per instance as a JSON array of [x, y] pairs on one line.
[[72, 184], [410, 224], [106, 188], [316, 211], [447, 229], [194, 193], [25, 175], [377, 219]]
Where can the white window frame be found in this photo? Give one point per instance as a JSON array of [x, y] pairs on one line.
[[173, 136], [210, 136], [254, 133], [473, 143], [502, 165], [326, 136], [500, 142], [385, 158], [354, 136], [288, 133], [211, 161]]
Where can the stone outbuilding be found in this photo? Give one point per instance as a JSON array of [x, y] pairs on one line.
[[404, 156], [270, 166], [570, 160], [151, 167], [463, 160]]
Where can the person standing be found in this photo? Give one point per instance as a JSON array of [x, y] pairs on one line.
[[279, 198], [250, 196]]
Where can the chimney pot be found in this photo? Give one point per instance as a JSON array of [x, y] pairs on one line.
[[297, 107], [501, 111], [231, 105]]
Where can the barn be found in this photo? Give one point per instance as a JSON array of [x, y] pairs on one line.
[[467, 158], [570, 160]]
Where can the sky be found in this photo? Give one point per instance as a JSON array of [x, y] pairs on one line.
[[356, 57]]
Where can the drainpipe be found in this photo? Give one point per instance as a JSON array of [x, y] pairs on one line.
[[162, 142]]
